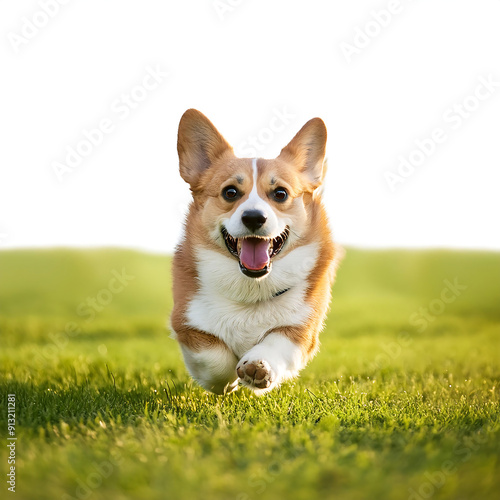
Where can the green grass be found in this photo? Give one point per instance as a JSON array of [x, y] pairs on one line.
[[394, 406]]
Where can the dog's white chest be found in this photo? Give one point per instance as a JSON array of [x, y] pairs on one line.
[[241, 310]]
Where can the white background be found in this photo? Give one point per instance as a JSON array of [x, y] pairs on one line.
[[238, 66]]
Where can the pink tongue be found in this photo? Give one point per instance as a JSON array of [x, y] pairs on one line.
[[254, 253]]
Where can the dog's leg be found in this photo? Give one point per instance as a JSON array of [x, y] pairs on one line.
[[213, 369], [209, 361], [276, 359]]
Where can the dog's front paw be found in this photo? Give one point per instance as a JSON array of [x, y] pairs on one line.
[[256, 374]]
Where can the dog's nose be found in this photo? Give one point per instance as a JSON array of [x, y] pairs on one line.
[[253, 219]]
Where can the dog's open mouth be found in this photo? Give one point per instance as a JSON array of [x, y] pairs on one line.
[[255, 253]]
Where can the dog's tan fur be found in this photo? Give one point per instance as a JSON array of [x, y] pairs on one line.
[[208, 164]]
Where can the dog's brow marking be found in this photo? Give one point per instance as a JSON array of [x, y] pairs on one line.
[[273, 181], [239, 179], [254, 167], [234, 225], [254, 197]]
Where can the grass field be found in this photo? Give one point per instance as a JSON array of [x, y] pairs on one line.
[[401, 402]]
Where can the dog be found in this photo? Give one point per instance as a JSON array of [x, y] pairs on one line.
[[253, 272]]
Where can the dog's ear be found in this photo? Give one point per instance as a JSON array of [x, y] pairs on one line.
[[307, 151], [198, 144]]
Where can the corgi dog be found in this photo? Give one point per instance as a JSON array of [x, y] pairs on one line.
[[253, 272]]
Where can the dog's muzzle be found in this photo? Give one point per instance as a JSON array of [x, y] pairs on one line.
[[255, 253]]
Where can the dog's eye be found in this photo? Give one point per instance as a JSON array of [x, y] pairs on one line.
[[230, 193], [280, 194]]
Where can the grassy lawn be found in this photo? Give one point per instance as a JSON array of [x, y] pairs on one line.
[[401, 402]]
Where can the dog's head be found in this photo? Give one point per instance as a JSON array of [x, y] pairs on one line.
[[255, 210]]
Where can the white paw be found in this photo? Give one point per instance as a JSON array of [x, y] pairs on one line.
[[256, 374]]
